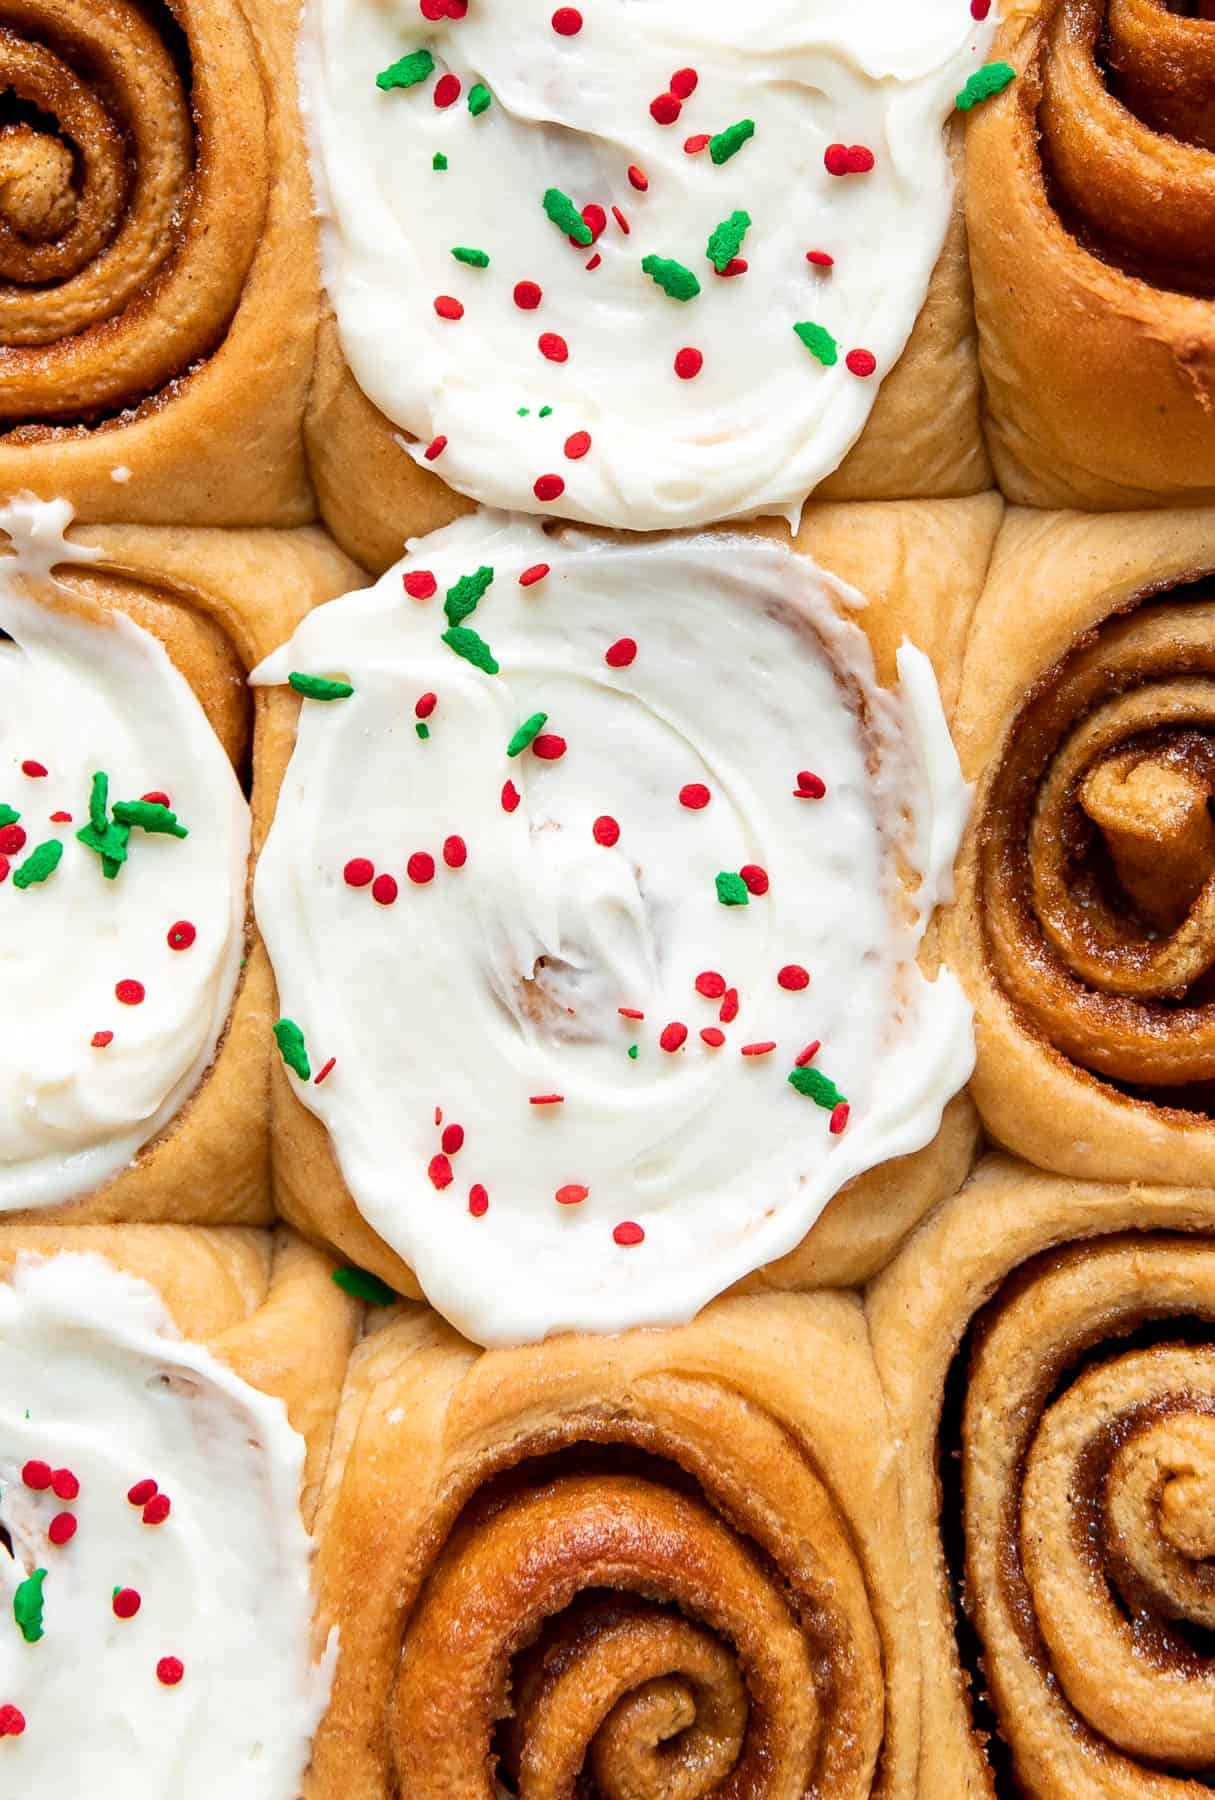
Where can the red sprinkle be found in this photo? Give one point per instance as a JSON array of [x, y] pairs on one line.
[[12, 1721], [510, 796], [438, 1115], [810, 786], [710, 984], [548, 487], [131, 993], [126, 1603], [447, 90], [546, 1099], [835, 159], [141, 1493], [630, 1012], [100, 1039], [629, 1233], [683, 83], [729, 1007], [358, 871], [62, 1528], [638, 178], [455, 852], [572, 1195], [64, 1484], [754, 878], [606, 831], [181, 935], [577, 444], [595, 220], [61, 818], [37, 1475], [421, 867], [553, 346], [452, 1139], [713, 1036], [420, 584], [861, 362], [536, 573], [808, 1054], [157, 1509], [620, 654], [979, 9], [435, 448], [425, 704], [839, 1118], [696, 143], [694, 795], [384, 889], [689, 362], [567, 21], [169, 1670], [478, 1200], [622, 221], [156, 797], [32, 768], [763, 1049], [793, 977], [674, 1036], [456, 9], [595, 261], [439, 1170], [528, 295], [666, 108], [448, 307], [323, 1073], [860, 159], [432, 9], [820, 259], [549, 747], [4, 867], [737, 265]]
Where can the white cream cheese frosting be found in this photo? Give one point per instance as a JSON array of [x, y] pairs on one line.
[[453, 965], [203, 1684], [115, 1009], [456, 353]]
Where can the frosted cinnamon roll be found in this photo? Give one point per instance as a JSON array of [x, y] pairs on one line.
[[133, 1078], [160, 1452], [668, 1565], [697, 244], [594, 894], [157, 279], [1090, 188], [1081, 930], [1046, 1346]]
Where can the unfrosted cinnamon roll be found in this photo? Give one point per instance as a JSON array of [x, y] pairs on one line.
[[1090, 196], [1047, 1349], [1084, 929], [156, 271], [665, 1563]]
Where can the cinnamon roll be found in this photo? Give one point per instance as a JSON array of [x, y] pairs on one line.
[[1045, 1347], [1082, 928], [161, 1448], [134, 1069], [664, 1563], [157, 276], [1090, 190]]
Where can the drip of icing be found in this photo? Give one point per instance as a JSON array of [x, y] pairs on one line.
[[501, 979], [763, 421], [78, 695], [97, 1381]]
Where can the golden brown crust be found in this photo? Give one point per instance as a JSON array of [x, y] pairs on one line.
[[480, 1494], [160, 312], [1096, 334]]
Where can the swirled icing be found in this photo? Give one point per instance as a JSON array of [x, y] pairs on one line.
[[500, 980], [98, 1383], [79, 694], [764, 420]]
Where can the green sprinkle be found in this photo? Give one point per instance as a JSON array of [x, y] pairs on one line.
[[440, 161], [422, 729], [633, 1051], [471, 647], [526, 732], [150, 816], [27, 1606], [727, 143], [523, 411], [39, 864], [365, 1286], [726, 241], [564, 214], [476, 259], [99, 801], [544, 412], [816, 1086], [479, 99], [8, 815], [109, 843], [408, 72], [315, 687], [819, 342], [991, 79], [464, 597], [732, 889], [290, 1041], [672, 277]]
